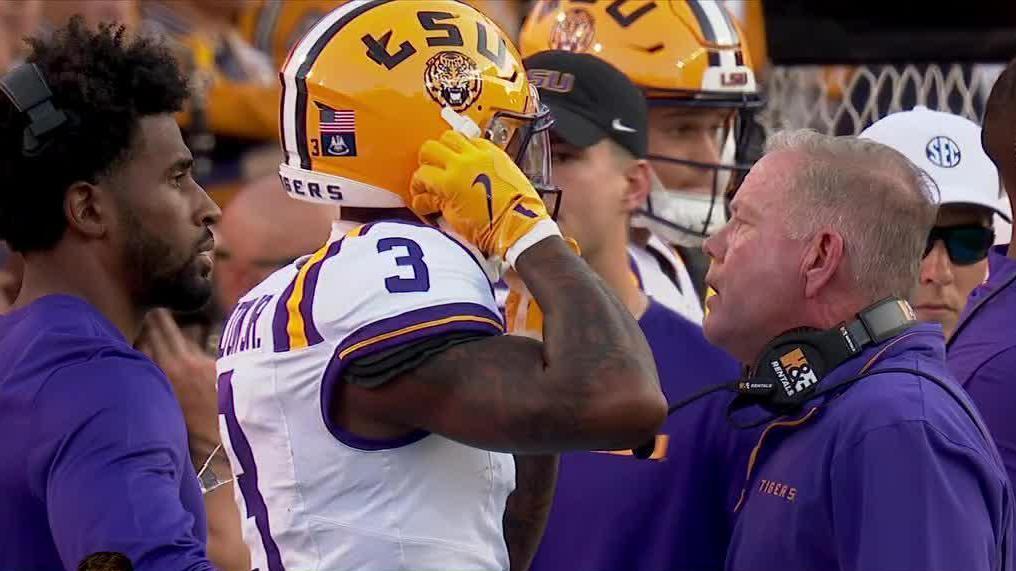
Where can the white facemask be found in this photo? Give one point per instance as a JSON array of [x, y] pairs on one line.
[[682, 217]]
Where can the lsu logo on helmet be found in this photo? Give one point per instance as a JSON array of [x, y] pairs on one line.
[[453, 79]]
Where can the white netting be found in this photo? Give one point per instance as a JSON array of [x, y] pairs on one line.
[[843, 100]]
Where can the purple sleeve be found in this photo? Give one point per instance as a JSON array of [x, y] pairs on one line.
[[993, 389], [907, 497], [115, 483]]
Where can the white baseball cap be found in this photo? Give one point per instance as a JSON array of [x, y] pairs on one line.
[[948, 148]]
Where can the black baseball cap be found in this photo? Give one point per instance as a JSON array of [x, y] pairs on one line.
[[590, 100]]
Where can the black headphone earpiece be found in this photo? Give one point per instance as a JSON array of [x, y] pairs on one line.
[[790, 368], [25, 87]]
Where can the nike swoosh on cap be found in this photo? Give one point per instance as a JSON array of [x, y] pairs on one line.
[[617, 125]]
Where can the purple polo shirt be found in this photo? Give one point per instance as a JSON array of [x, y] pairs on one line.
[[892, 475], [614, 513], [94, 455], [982, 353]]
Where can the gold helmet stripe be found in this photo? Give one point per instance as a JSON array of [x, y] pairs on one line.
[[293, 121]]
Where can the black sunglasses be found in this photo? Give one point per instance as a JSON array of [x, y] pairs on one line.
[[967, 244]]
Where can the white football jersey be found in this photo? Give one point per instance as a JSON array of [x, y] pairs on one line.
[[680, 297], [313, 496]]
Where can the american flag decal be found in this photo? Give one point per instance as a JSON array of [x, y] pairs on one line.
[[338, 131], [336, 120]]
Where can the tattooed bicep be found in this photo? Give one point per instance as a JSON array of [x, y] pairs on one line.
[[490, 358]]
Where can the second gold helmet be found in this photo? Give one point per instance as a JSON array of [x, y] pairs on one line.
[[689, 57], [669, 48]]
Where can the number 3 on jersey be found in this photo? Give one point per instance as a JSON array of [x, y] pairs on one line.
[[420, 280]]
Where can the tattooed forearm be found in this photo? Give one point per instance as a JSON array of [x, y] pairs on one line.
[[591, 384], [525, 516], [589, 336]]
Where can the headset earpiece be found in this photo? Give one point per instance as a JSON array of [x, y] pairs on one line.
[[25, 87], [790, 368]]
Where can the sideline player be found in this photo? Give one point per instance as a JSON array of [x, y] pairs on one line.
[[362, 387]]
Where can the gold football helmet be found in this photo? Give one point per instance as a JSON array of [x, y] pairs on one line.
[[688, 56], [374, 79]]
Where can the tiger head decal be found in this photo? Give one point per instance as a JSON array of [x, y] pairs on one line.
[[574, 32], [452, 79]]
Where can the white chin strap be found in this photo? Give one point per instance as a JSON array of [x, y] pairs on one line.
[[334, 190], [682, 217]]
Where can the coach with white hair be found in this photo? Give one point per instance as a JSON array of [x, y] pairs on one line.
[[893, 471]]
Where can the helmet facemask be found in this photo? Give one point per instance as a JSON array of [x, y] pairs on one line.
[[525, 137], [688, 216]]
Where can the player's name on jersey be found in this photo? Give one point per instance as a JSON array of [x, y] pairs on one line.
[[241, 331]]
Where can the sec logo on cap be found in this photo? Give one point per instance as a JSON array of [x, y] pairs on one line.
[[943, 152]]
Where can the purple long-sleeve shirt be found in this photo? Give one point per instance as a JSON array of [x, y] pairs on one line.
[[94, 455], [982, 353], [673, 513], [892, 475]]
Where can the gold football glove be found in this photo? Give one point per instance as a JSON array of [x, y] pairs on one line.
[[482, 195]]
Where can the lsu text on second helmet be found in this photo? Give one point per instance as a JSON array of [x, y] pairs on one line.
[[690, 59], [374, 79]]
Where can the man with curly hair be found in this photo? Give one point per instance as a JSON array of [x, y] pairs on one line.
[[98, 197]]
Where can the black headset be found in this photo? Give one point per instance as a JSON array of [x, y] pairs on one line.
[[28, 91], [791, 367]]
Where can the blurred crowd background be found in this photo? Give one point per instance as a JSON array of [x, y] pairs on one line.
[[834, 67]]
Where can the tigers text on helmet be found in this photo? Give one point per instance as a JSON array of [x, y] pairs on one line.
[[691, 62], [366, 86]]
